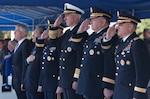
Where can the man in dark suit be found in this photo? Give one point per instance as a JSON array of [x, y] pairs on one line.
[[132, 59], [68, 56], [96, 73], [32, 75], [21, 52]]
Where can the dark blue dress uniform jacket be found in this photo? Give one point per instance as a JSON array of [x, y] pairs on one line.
[[68, 59], [93, 68], [132, 69], [32, 75], [50, 66]]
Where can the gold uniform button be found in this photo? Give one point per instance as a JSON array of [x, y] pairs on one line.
[[91, 52], [52, 58], [116, 74], [65, 51], [42, 67], [86, 46], [48, 58], [63, 67], [43, 57], [82, 58], [98, 52], [128, 62], [63, 59], [122, 62], [59, 58], [117, 68], [84, 52], [54, 76], [62, 51], [122, 53], [45, 53], [117, 55], [42, 62], [81, 65], [69, 49], [98, 76], [58, 78], [118, 62], [128, 51], [59, 66], [130, 84], [95, 46]]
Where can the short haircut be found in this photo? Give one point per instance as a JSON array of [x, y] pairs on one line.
[[23, 28], [146, 30], [41, 28]]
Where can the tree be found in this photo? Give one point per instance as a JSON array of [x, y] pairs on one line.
[[145, 23]]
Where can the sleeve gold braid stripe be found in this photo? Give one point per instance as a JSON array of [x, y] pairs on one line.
[[77, 72], [106, 47], [138, 89], [105, 79], [58, 95], [39, 45], [76, 40]]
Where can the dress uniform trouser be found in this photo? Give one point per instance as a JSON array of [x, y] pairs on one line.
[[34, 95], [20, 94], [49, 95], [70, 94], [148, 92]]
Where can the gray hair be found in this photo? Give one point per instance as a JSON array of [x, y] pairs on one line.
[[23, 28], [40, 28]]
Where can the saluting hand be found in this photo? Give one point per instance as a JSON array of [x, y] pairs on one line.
[[110, 32], [44, 35], [84, 26], [58, 21]]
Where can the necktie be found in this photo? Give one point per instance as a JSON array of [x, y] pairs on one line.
[[16, 47]]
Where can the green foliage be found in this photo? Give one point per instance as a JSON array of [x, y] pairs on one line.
[[5, 34], [145, 23]]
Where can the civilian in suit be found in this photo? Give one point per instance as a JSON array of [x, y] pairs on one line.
[[132, 59], [68, 56], [21, 52], [32, 75], [97, 70]]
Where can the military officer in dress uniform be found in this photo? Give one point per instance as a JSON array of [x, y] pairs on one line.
[[33, 67], [97, 70], [132, 60], [68, 56], [50, 62]]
